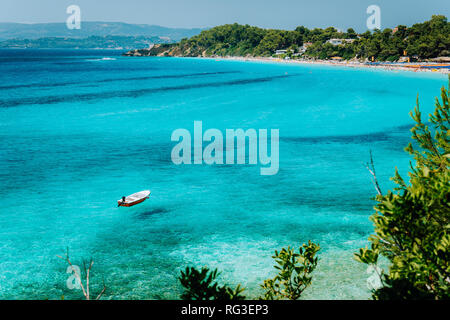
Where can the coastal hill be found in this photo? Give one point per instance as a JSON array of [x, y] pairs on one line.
[[427, 40], [91, 28], [92, 35]]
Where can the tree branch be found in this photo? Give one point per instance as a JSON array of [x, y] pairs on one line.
[[86, 290], [371, 167]]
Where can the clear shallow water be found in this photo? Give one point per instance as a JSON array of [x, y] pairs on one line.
[[78, 131]]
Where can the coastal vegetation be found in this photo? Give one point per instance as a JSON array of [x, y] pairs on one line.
[[294, 272], [412, 222], [202, 285], [426, 40]]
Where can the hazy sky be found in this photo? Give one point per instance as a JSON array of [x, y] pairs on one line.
[[285, 14]]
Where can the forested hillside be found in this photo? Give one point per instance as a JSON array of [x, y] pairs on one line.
[[425, 40]]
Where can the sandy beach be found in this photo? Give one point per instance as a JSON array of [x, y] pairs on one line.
[[412, 67]]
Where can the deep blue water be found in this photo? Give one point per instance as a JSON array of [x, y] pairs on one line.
[[78, 131]]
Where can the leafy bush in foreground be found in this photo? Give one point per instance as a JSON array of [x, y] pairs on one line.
[[293, 278], [201, 285], [295, 272], [412, 222]]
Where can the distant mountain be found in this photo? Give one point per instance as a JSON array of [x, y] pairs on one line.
[[92, 42], [91, 28]]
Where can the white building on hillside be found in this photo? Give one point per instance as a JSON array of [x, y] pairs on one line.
[[279, 52], [336, 42]]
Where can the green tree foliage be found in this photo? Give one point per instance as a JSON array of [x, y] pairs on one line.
[[426, 40], [412, 222], [202, 285], [294, 272]]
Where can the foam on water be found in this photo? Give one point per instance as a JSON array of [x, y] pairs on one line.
[[76, 136]]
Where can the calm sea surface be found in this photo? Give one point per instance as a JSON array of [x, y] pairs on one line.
[[79, 129]]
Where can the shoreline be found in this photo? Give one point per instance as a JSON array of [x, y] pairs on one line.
[[394, 67], [336, 63]]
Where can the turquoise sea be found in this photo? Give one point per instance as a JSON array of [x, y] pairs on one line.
[[79, 129]]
